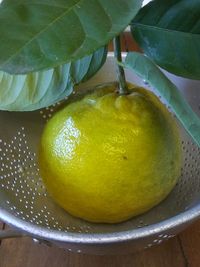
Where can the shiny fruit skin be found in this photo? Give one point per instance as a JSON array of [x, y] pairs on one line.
[[106, 158]]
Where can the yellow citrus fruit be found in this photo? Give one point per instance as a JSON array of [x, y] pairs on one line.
[[106, 157]]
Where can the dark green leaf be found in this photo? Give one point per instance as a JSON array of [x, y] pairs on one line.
[[169, 33], [40, 89], [37, 35], [147, 70]]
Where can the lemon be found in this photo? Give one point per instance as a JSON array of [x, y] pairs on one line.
[[109, 157]]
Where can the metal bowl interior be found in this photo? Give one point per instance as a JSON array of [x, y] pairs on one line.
[[25, 204]]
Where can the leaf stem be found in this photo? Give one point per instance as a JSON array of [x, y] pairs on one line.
[[123, 89]]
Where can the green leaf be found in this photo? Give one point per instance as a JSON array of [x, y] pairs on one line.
[[40, 89], [37, 35], [169, 33], [148, 71]]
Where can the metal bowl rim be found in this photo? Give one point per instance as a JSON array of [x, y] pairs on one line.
[[97, 238]]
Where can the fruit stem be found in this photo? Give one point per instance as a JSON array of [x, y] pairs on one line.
[[123, 89]]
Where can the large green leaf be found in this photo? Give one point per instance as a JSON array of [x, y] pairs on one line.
[[37, 35], [169, 33], [148, 71], [40, 89]]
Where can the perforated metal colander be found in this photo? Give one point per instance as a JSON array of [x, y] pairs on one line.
[[26, 206]]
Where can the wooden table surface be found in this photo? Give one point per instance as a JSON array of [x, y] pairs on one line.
[[180, 251]]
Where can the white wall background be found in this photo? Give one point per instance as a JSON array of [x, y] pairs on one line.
[[146, 1]]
